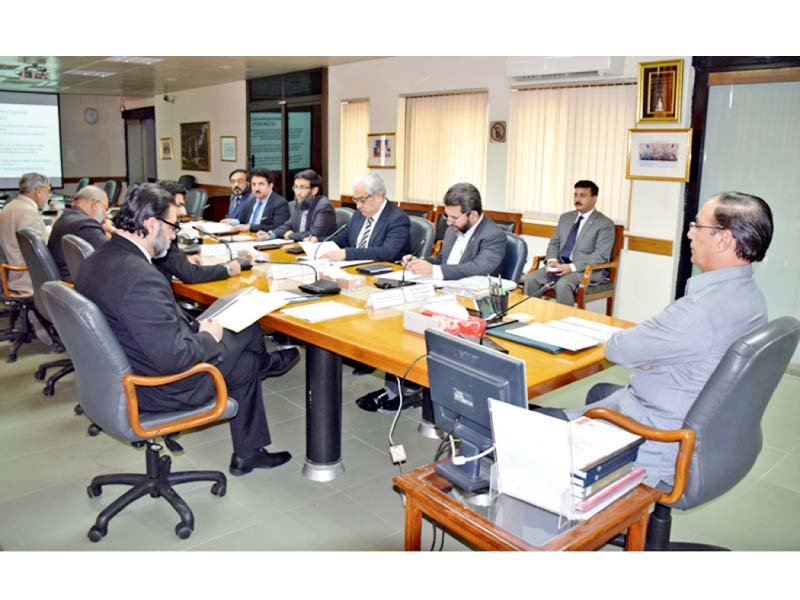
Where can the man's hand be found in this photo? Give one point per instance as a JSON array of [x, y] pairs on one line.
[[288, 235], [212, 327], [419, 266], [562, 270], [264, 235], [234, 268], [311, 238], [108, 227], [406, 259], [339, 254], [242, 228], [195, 259]]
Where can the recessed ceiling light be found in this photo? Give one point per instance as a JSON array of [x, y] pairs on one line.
[[139, 60], [89, 73]]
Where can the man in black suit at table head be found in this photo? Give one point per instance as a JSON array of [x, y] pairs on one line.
[[266, 208], [159, 338]]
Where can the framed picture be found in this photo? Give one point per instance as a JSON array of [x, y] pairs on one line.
[[381, 151], [166, 148], [662, 154], [196, 146], [659, 91], [497, 131], [227, 148]]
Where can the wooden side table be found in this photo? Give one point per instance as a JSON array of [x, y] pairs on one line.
[[426, 496]]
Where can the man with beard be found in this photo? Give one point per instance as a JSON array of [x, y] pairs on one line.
[[86, 219], [241, 198], [583, 236], [160, 339], [314, 215]]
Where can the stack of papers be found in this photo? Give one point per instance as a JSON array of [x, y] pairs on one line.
[[322, 311], [316, 250], [571, 333], [242, 308]]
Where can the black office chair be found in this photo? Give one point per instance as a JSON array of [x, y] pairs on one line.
[[82, 183], [422, 234], [112, 189], [43, 268], [343, 215], [18, 306], [721, 436], [187, 181], [196, 201], [76, 249], [514, 260], [106, 388]]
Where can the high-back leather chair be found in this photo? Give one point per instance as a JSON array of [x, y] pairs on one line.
[[343, 215], [196, 201], [112, 189], [106, 388], [422, 234], [187, 181], [721, 435], [76, 249], [18, 307], [514, 260], [42, 269], [82, 183]]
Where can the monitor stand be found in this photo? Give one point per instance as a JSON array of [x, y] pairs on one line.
[[466, 477]]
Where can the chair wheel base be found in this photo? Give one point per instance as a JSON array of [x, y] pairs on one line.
[[48, 390], [94, 430], [94, 491], [39, 375], [183, 531], [219, 489], [96, 534]]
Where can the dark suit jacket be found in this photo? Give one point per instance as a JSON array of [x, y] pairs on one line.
[[155, 334], [594, 244], [390, 239], [176, 264], [243, 203], [320, 221], [275, 214], [76, 222], [483, 255]]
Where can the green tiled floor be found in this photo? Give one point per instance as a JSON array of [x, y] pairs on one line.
[[47, 459]]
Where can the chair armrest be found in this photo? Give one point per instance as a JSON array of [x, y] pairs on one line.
[[437, 247], [587, 271], [685, 437], [7, 292], [535, 263], [130, 381]]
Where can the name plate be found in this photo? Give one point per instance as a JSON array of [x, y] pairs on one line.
[[399, 296]]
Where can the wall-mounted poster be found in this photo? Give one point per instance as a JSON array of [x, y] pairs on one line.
[[196, 146], [661, 154], [166, 148], [227, 148], [381, 151]]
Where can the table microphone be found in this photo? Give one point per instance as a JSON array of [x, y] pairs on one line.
[[500, 314], [386, 284], [243, 263]]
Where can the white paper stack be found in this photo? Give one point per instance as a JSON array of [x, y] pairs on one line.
[[321, 311]]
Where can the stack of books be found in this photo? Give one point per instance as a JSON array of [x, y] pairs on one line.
[[606, 473]]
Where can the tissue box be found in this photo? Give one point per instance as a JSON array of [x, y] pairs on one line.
[[346, 281], [471, 326]]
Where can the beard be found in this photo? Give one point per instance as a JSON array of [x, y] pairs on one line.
[[161, 245]]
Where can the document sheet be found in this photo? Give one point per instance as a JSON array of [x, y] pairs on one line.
[[322, 311]]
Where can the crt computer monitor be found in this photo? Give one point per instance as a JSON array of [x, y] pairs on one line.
[[463, 376]]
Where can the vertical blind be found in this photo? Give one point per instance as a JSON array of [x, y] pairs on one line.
[[353, 143], [445, 143], [557, 136]]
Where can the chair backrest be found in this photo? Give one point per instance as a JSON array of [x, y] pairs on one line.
[[726, 416], [422, 234], [111, 188], [75, 250], [616, 250], [82, 183], [187, 181], [196, 201], [41, 265], [100, 363], [343, 215], [508, 221], [514, 260]]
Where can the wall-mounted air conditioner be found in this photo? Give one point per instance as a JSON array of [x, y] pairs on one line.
[[559, 68]]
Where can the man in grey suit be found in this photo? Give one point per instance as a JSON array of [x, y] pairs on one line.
[[583, 236]]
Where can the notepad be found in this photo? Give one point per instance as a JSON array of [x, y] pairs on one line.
[[242, 308], [321, 311]]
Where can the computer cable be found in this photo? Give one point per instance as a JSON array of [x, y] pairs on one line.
[[396, 451]]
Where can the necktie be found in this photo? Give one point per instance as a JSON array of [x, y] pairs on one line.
[[257, 209], [362, 243], [569, 245], [235, 204]]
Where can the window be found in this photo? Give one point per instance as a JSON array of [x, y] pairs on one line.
[[560, 135], [445, 143], [353, 143]]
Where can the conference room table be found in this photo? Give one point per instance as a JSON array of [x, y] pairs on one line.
[[377, 338]]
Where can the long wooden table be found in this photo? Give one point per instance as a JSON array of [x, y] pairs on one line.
[[377, 338]]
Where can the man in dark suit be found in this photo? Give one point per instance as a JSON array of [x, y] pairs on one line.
[[266, 209], [314, 215], [378, 230], [473, 245], [583, 236], [240, 195], [160, 339], [85, 219]]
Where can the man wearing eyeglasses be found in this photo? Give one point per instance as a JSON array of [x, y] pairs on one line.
[[159, 338], [314, 214], [673, 354], [379, 230], [267, 209], [240, 194], [582, 236]]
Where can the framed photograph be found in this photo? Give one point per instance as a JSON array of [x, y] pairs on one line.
[[166, 148], [196, 146], [381, 151], [227, 148], [497, 132], [659, 91], [661, 154]]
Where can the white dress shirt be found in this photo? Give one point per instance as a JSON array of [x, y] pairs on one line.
[[375, 218]]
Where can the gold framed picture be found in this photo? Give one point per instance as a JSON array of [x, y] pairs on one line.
[[381, 151], [196, 146], [659, 91], [660, 154], [166, 148]]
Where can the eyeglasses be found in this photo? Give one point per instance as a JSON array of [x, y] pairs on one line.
[[175, 226], [361, 199], [298, 188], [451, 219], [693, 225]]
